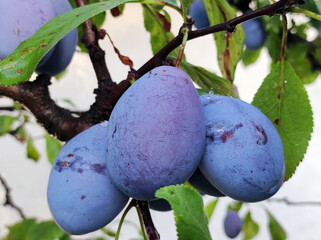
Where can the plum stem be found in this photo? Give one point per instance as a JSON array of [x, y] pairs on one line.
[[131, 204], [151, 231]]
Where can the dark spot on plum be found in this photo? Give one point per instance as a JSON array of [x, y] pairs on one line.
[[98, 168], [251, 171], [88, 220], [155, 74], [82, 149], [276, 121], [211, 101], [67, 180], [229, 134], [262, 137], [83, 197], [70, 155], [210, 137], [115, 130], [65, 163], [80, 170], [186, 80]]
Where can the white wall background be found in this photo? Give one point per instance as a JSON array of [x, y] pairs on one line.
[[29, 180]]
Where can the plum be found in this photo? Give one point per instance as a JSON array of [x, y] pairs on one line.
[[64, 49], [198, 13], [156, 133], [199, 181], [254, 34], [19, 20], [80, 194], [232, 224], [160, 205], [244, 156]]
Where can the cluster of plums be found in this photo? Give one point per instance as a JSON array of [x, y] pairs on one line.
[[20, 19], [160, 133], [254, 32]]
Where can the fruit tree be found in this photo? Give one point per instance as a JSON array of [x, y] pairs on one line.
[[171, 133]]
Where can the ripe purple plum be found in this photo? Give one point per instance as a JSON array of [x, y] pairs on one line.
[[199, 181], [19, 20], [198, 13], [232, 224], [64, 49], [244, 156], [156, 133], [81, 196], [160, 205]]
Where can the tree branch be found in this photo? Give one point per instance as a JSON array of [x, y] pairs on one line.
[[9, 201], [229, 26], [35, 96]]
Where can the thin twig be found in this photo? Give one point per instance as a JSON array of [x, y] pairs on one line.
[[9, 201], [292, 203]]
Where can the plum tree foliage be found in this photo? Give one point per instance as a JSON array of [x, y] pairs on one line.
[[164, 145]]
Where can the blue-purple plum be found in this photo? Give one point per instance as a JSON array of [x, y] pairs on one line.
[[232, 224], [254, 34], [65, 48], [19, 20], [156, 133], [81, 196], [199, 181], [160, 205], [244, 156], [198, 13]]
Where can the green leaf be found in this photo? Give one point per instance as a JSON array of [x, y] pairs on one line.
[[47, 230], [208, 81], [19, 66], [298, 55], [190, 218], [250, 228], [276, 230], [6, 123], [32, 152], [235, 206], [20, 229], [209, 208], [229, 45], [53, 147], [155, 26], [108, 232], [250, 56], [29, 229], [284, 100], [185, 4]]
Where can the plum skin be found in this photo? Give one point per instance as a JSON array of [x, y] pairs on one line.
[[156, 133], [64, 49], [244, 156], [19, 20], [232, 224], [199, 181], [80, 194], [198, 13], [254, 34], [160, 205], [24, 20]]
